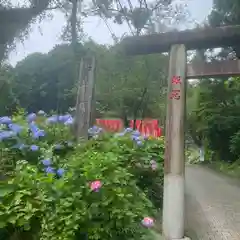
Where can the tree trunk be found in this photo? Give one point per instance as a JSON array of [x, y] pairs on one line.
[[74, 25]]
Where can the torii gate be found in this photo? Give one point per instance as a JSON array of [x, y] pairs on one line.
[[177, 43]]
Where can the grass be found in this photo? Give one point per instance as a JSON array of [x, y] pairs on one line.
[[230, 169]]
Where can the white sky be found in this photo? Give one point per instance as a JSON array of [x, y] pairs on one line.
[[49, 36]]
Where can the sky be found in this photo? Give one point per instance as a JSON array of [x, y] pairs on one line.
[[45, 38]]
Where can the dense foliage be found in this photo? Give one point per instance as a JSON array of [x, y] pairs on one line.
[[215, 119], [52, 188]]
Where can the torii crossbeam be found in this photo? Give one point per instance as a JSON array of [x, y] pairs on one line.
[[177, 43]]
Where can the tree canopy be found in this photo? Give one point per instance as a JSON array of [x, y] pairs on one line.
[[125, 86]]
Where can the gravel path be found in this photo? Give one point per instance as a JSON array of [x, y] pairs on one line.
[[212, 205]]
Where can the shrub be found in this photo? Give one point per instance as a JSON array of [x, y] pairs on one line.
[[50, 193], [66, 207], [235, 144], [145, 162]]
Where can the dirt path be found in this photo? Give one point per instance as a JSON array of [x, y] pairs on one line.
[[212, 205]]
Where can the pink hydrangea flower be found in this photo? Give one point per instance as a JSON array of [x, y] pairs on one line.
[[153, 162], [147, 222], [153, 165], [95, 185]]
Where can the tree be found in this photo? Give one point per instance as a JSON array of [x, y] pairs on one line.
[[7, 98], [126, 87], [46, 81], [14, 21], [226, 12], [215, 118], [130, 86]]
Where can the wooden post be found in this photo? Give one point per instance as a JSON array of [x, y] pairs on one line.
[[91, 90], [173, 204], [92, 100], [84, 97]]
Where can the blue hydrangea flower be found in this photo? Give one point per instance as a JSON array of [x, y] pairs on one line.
[[135, 138], [46, 162], [34, 148], [52, 119], [69, 121], [64, 118], [5, 120], [49, 170], [31, 117], [33, 127], [60, 172], [128, 130], [136, 133], [6, 134], [38, 133], [139, 143], [94, 130], [15, 127], [61, 118]]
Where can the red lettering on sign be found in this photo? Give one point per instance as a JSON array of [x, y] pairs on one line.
[[176, 80], [175, 94]]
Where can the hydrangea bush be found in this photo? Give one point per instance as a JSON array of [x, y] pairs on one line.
[[107, 188]]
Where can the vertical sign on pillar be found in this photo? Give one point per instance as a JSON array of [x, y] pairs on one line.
[[173, 203]]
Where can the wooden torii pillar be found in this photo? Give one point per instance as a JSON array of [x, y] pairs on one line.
[[177, 43]]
